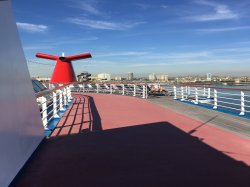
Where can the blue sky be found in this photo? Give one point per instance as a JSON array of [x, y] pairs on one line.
[[174, 37]]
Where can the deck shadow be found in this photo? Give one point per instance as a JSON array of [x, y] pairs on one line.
[[155, 154], [82, 116]]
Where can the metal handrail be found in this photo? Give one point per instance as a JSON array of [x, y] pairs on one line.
[[52, 101], [214, 97], [46, 92], [212, 87], [139, 90]]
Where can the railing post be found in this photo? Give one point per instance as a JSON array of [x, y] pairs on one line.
[[143, 92], [55, 110], [111, 91], [123, 89], [242, 103], [61, 108], [182, 94], [134, 90], [97, 88], [215, 99], [175, 94], [196, 96], [65, 97], [188, 90], [204, 92], [43, 100], [208, 93], [69, 94]]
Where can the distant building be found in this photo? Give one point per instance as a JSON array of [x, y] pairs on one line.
[[152, 77], [209, 76], [83, 77], [104, 76], [130, 76], [118, 78], [162, 78]]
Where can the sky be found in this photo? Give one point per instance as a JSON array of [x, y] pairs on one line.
[[174, 37]]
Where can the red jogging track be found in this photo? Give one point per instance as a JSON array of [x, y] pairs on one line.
[[111, 140]]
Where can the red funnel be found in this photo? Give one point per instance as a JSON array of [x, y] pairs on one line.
[[63, 72]]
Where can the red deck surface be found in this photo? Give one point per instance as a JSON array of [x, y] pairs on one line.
[[109, 140]]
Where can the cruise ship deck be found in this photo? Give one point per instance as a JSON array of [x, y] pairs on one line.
[[113, 140]]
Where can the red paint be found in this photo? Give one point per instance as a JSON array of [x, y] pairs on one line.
[[63, 72]]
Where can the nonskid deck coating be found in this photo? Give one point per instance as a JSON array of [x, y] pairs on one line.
[[108, 140], [235, 124]]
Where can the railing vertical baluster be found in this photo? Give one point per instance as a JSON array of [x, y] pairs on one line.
[[175, 94], [134, 94], [215, 99], [188, 90], [242, 103], [65, 97], [143, 92], [123, 89], [196, 96], [43, 100], [61, 108], [55, 110], [69, 94], [97, 88], [208, 93], [60, 99], [204, 92], [111, 90], [182, 94]]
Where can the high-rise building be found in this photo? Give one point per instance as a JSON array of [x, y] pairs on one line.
[[152, 77], [130, 76], [163, 78], [209, 76]]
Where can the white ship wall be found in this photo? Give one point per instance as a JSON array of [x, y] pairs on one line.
[[21, 128]]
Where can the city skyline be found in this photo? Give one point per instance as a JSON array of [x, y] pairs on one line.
[[165, 37]]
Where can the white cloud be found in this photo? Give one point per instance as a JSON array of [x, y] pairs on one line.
[[29, 27], [226, 29], [221, 12], [89, 7], [105, 25]]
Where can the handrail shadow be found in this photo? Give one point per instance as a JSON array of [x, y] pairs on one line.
[[82, 116]]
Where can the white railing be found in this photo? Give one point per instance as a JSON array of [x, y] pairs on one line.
[[51, 102], [218, 98], [136, 90]]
